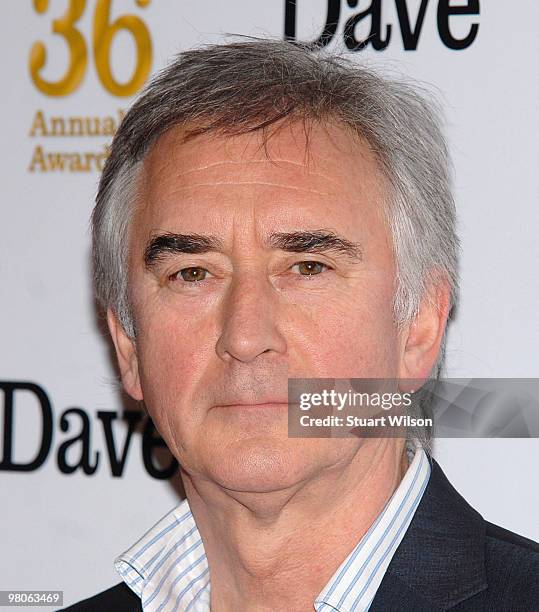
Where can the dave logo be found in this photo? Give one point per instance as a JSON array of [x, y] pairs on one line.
[[28, 404], [363, 22]]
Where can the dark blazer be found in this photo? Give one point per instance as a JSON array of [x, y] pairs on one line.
[[449, 559]]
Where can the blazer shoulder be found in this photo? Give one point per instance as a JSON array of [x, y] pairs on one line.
[[119, 598], [512, 565], [498, 536]]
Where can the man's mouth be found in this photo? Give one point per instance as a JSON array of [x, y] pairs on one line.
[[269, 405]]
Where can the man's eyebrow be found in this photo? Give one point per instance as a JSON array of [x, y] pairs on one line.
[[315, 241], [163, 245]]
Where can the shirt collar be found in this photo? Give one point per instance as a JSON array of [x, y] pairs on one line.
[[354, 584], [167, 568]]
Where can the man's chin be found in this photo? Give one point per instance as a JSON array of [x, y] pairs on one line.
[[260, 465]]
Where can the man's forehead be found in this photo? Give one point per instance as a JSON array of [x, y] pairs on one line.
[[293, 148], [295, 179]]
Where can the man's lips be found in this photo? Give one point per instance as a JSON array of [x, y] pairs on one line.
[[270, 405]]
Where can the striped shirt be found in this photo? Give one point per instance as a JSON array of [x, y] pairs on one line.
[[167, 568]]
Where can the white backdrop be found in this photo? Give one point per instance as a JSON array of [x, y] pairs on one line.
[[62, 531]]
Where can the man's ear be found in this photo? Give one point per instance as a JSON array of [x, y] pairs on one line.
[[127, 357], [424, 334]]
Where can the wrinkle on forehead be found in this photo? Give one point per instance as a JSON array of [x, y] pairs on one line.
[[232, 162], [330, 165], [257, 183], [261, 148]]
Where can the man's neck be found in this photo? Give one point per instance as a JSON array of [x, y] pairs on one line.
[[276, 551]]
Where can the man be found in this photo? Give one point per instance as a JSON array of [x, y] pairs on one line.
[[268, 213]]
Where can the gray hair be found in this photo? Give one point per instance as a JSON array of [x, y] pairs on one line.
[[240, 87]]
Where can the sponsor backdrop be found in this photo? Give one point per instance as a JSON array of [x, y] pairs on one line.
[[82, 471]]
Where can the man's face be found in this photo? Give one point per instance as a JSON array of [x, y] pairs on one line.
[[290, 274]]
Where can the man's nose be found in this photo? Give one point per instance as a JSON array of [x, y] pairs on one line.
[[249, 320]]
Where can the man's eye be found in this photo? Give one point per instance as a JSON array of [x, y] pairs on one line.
[[191, 274], [309, 268]]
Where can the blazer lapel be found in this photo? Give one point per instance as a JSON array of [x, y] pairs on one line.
[[440, 561]]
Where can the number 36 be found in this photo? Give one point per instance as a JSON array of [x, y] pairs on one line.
[[103, 34]]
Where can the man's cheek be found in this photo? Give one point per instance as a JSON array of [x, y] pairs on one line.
[[353, 347], [167, 366], [176, 335]]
